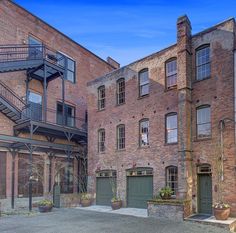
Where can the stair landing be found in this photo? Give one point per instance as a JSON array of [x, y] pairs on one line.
[[229, 224]]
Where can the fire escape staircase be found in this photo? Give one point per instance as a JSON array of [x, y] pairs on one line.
[[11, 105], [39, 62]]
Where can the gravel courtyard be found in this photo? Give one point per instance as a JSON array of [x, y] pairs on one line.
[[83, 221]]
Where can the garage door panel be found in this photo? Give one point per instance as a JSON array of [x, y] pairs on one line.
[[139, 190], [104, 191]]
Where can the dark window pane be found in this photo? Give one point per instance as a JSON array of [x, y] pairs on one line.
[[171, 73], [171, 128], [101, 97], [143, 83], [120, 137], [203, 63], [144, 133], [172, 178], [121, 91], [203, 122], [101, 140]]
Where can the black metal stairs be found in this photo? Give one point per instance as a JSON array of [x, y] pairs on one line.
[[11, 104]]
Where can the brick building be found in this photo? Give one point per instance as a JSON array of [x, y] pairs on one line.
[[43, 78], [164, 119]]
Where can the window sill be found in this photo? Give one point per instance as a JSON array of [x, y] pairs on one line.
[[144, 147], [120, 150], [202, 139], [170, 144], [171, 88], [197, 81], [117, 105], [101, 110], [143, 96]]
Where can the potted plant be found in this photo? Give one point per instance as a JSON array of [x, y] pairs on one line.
[[221, 211], [116, 203], [85, 200], [45, 205], [165, 193]]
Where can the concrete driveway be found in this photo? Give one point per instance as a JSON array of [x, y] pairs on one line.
[[82, 221]]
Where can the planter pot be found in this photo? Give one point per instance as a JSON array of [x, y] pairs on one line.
[[85, 202], [115, 205], [44, 209], [166, 197], [221, 214]]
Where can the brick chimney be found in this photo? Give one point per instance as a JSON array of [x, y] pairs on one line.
[[113, 63], [184, 107]]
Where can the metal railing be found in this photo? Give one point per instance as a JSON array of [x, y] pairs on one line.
[[35, 112], [10, 53], [11, 97]]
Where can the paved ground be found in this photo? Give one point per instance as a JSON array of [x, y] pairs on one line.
[[123, 211], [83, 221]]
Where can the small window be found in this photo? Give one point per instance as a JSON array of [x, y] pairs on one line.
[[69, 115], [171, 128], [203, 68], [172, 179], [120, 91], [143, 82], [144, 132], [203, 121], [120, 137], [69, 65], [101, 98], [35, 48], [171, 73], [101, 140]]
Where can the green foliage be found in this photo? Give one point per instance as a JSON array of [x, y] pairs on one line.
[[165, 192], [85, 196], [45, 202], [221, 205], [114, 199]]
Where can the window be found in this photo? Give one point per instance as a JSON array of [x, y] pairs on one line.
[[66, 178], [143, 82], [34, 111], [120, 137], [35, 48], [171, 73], [203, 121], [144, 132], [69, 114], [2, 175], [69, 65], [203, 69], [37, 175], [101, 140], [172, 178], [101, 98], [120, 85], [171, 128]]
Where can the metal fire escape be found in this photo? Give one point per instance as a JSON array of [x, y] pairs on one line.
[[44, 65]]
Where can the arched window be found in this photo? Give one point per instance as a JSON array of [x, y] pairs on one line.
[[101, 97], [120, 137], [172, 178], [144, 132], [143, 82], [203, 67], [120, 91], [101, 140], [171, 73], [171, 128], [204, 121]]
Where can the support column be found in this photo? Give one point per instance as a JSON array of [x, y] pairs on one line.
[[63, 100], [45, 94], [184, 108]]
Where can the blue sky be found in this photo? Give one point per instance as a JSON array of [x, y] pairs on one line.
[[127, 30]]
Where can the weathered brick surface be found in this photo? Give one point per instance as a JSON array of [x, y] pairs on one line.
[[16, 24], [218, 91]]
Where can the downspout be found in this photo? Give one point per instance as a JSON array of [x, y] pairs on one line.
[[234, 94]]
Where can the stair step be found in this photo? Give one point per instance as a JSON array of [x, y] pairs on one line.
[[11, 114], [6, 111]]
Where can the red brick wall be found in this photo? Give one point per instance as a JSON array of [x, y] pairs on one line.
[[218, 91]]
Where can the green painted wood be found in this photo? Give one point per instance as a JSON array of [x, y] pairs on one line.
[[139, 190], [104, 191], [205, 194], [57, 196]]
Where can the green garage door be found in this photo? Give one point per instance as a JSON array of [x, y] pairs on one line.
[[104, 190], [139, 190]]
